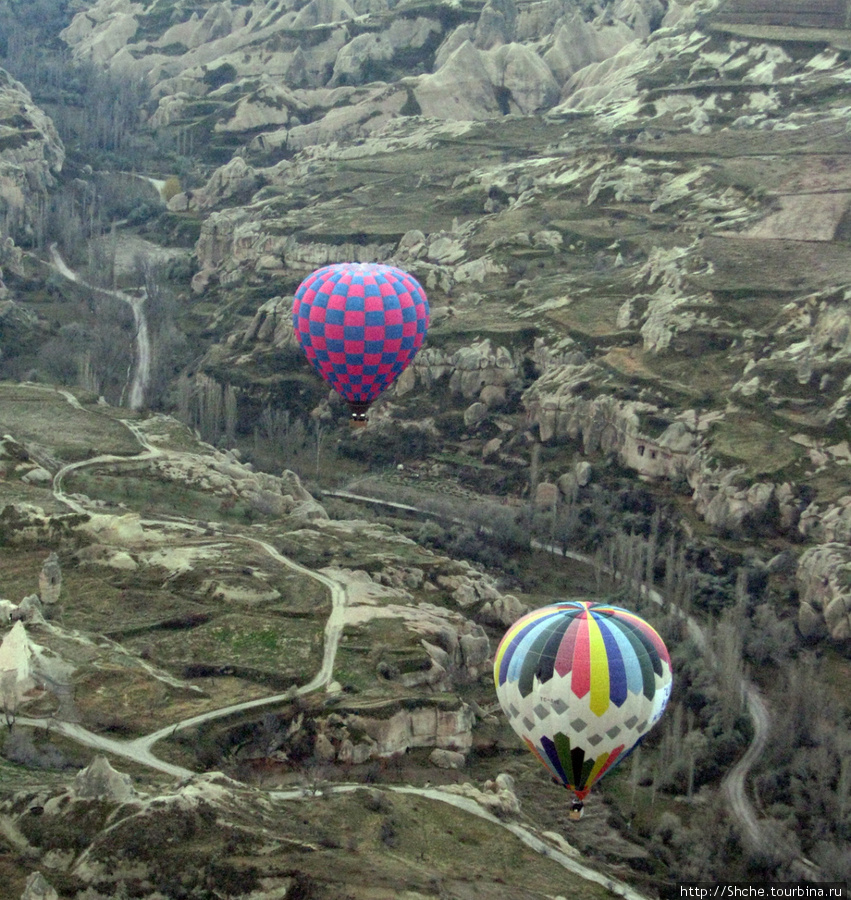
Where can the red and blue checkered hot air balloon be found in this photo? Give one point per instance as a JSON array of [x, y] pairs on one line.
[[360, 324], [581, 683]]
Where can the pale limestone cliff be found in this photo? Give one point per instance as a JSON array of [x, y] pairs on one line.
[[825, 604], [31, 156], [98, 780]]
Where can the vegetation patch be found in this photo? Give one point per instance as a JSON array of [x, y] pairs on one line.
[[42, 416], [269, 650], [759, 445]]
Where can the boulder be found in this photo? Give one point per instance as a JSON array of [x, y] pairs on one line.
[[272, 325], [546, 495], [478, 365], [491, 448], [50, 580], [497, 796], [37, 475], [103, 555], [323, 749], [39, 888], [412, 245], [30, 610], [447, 759], [493, 395], [474, 414], [17, 663], [827, 525], [727, 501], [503, 611], [346, 752], [824, 575], [99, 781], [323, 12], [475, 650], [445, 249]]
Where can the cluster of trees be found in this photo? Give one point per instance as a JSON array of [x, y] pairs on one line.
[[96, 112], [208, 406], [804, 784], [95, 350]]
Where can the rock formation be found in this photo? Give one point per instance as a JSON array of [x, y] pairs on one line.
[[17, 666], [825, 602], [50, 580], [99, 781], [29, 161], [39, 888]]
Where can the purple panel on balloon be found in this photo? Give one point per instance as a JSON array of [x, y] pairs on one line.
[[360, 324]]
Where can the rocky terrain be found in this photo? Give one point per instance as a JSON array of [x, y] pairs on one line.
[[632, 222], [291, 649]]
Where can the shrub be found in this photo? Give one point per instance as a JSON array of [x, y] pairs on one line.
[[171, 188], [220, 76]]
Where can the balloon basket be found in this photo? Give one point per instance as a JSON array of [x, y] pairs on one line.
[[358, 414], [577, 807]]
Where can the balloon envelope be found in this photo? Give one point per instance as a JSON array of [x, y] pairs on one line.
[[360, 324], [581, 683]]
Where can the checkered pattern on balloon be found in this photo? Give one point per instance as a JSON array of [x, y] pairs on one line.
[[360, 325]]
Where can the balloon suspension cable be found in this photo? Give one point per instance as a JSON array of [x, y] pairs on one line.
[[358, 412]]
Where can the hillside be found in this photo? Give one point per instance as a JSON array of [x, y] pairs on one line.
[[632, 222]]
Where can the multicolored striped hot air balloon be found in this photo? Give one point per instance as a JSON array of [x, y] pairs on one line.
[[582, 683], [360, 324]]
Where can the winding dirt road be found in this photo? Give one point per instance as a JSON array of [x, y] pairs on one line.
[[734, 781], [139, 750], [138, 385]]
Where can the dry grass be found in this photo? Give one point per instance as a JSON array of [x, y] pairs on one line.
[[42, 416], [758, 445]]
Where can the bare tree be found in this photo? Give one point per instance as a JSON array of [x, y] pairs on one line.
[[229, 414], [695, 746], [318, 435], [730, 667]]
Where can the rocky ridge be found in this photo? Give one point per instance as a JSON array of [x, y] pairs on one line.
[[31, 158]]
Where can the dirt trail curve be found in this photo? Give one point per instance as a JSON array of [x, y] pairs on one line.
[[142, 370], [139, 749], [734, 781]]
